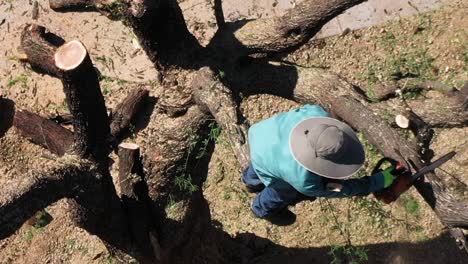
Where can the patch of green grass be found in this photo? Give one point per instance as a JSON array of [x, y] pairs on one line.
[[411, 205], [72, 246], [43, 218], [20, 79], [110, 260], [227, 195], [374, 209], [184, 182], [389, 41], [213, 136], [424, 23], [108, 62], [221, 74], [348, 254], [416, 63], [116, 10], [105, 89]]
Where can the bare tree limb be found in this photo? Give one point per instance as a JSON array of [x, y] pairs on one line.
[[43, 132], [212, 96], [126, 110], [296, 27], [23, 198]]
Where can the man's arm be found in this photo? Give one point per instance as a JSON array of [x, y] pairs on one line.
[[317, 186]]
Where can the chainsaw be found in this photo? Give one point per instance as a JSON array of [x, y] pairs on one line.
[[405, 178]]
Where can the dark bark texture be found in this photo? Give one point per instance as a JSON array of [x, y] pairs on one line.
[[21, 200], [43, 132], [125, 111]]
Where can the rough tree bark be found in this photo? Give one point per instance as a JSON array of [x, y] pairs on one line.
[[123, 113], [43, 132], [96, 209], [33, 192]]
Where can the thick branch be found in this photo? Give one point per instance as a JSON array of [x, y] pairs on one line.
[[212, 96], [125, 111], [22, 198], [292, 29], [43, 132], [40, 47], [134, 195], [71, 63]]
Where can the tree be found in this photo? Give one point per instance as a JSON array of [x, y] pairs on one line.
[[136, 222]]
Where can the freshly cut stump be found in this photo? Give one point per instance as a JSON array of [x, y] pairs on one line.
[[70, 55], [402, 121]]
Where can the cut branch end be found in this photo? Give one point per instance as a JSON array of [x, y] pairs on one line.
[[70, 55]]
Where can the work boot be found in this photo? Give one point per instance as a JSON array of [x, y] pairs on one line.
[[283, 217]]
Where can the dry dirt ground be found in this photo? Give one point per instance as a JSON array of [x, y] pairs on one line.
[[435, 44]]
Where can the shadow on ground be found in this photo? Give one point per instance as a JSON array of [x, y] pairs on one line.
[[254, 249]]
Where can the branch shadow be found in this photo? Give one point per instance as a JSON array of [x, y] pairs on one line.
[[7, 113], [249, 248]]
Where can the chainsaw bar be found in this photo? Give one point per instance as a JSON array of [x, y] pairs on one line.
[[433, 165]]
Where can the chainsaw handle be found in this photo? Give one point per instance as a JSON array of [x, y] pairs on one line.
[[378, 165]]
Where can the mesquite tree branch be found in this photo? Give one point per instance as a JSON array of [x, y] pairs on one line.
[[43, 132], [40, 48], [30, 193], [125, 111], [296, 27], [212, 96]]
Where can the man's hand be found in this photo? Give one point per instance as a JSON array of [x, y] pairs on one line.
[[396, 182], [389, 177]]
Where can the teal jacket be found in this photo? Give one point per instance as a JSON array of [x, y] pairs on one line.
[[276, 167]]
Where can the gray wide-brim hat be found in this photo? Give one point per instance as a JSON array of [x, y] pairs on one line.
[[327, 147]]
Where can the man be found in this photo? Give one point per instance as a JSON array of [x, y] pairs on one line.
[[303, 154]]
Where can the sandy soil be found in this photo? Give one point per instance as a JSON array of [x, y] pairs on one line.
[[404, 232]]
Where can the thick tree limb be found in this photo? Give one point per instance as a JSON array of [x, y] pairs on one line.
[[71, 63], [43, 132], [134, 195], [99, 210], [212, 96], [126, 110], [296, 27], [85, 101], [23, 198], [40, 48]]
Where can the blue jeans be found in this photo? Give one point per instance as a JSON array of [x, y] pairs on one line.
[[271, 199]]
